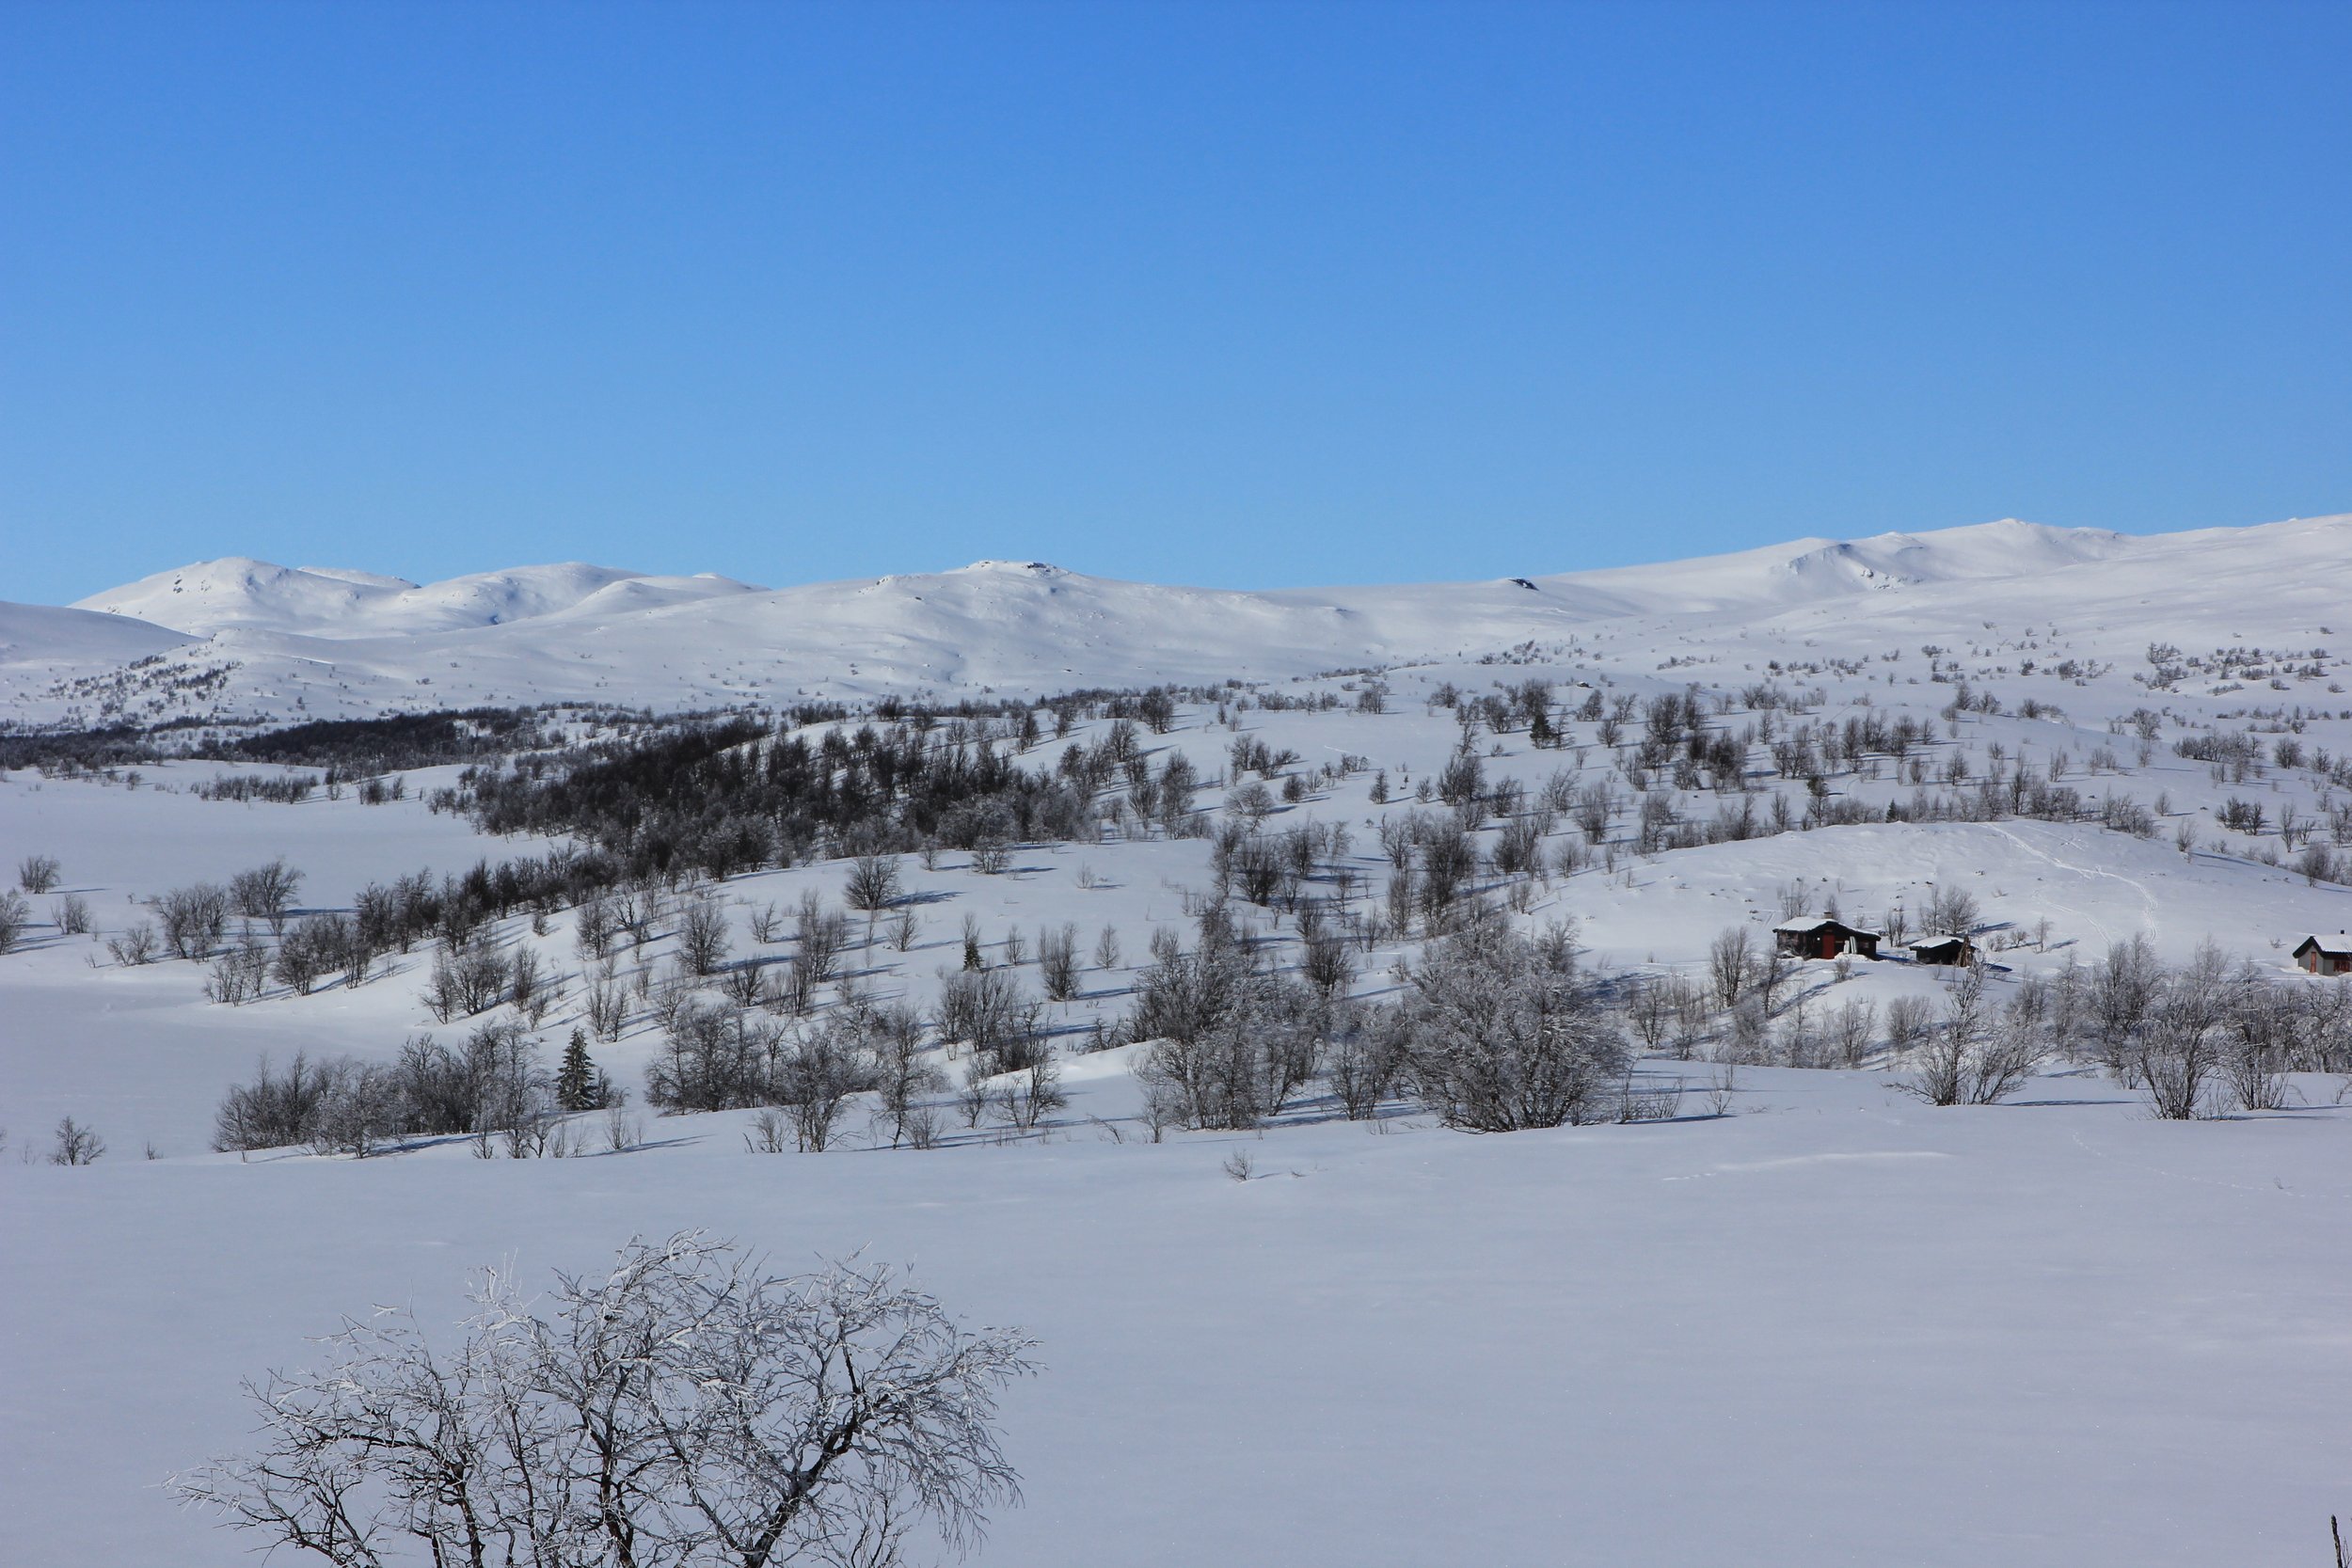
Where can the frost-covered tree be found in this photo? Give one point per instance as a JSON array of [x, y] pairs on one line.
[[1235, 1040], [15, 917], [1057, 961], [1971, 1057], [194, 919], [702, 937], [265, 892], [682, 1408], [1501, 1033], [873, 887], [1730, 965]]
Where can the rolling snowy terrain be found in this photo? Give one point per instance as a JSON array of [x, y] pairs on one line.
[[267, 643], [1765, 1307]]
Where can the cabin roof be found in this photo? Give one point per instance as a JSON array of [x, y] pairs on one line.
[[1944, 941], [2337, 946], [1821, 923]]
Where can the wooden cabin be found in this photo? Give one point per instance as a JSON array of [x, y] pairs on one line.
[[2325, 954], [1957, 951], [1818, 936]]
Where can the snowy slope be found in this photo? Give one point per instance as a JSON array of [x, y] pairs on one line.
[[1808, 570], [41, 636], [234, 592], [317, 643]]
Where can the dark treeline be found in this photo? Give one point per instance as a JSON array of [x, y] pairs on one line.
[[75, 750], [735, 795], [351, 748], [285, 789], [344, 748]]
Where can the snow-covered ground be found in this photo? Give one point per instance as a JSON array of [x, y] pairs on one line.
[[1827, 1324], [1836, 1328]]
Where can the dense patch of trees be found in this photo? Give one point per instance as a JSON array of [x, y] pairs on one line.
[[78, 751], [345, 747], [393, 743], [736, 795], [1238, 1040], [493, 1083]]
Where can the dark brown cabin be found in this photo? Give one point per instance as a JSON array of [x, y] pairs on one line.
[[1819, 937], [2325, 954], [1957, 951]]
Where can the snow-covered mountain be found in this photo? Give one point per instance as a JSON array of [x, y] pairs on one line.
[[236, 592], [273, 641]]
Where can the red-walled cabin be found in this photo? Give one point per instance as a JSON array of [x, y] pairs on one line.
[[1819, 937]]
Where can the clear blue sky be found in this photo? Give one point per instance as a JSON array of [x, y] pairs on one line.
[[1230, 294]]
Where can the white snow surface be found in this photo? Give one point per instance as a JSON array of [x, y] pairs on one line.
[[38, 637], [1838, 1329]]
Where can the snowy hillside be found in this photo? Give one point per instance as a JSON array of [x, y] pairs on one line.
[[236, 592], [1142, 1002], [281, 644], [38, 638]]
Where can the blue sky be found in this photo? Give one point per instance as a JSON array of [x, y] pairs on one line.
[[1246, 294]]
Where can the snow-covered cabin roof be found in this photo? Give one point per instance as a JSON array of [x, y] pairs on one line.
[[1942, 941], [1816, 922], [2337, 946]]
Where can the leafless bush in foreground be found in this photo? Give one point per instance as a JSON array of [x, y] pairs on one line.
[[684, 1408]]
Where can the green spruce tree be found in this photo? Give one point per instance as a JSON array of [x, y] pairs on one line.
[[578, 1086]]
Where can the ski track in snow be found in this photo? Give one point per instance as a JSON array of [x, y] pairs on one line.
[[2276, 1188], [2147, 902]]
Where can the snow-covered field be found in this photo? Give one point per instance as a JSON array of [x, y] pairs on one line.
[[1836, 1328], [1809, 1320]]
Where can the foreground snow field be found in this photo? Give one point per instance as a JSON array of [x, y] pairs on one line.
[[1835, 1327]]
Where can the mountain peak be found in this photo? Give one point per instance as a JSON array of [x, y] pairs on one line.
[[1032, 568]]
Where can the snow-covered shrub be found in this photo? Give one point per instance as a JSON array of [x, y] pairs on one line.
[[1235, 1041], [133, 948], [988, 1010], [1970, 1056], [194, 919], [1501, 1032]]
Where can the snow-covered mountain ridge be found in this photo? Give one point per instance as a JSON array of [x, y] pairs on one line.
[[274, 641], [237, 592]]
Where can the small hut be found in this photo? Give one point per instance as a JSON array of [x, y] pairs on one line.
[[1819, 936], [1957, 951], [2325, 954]]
